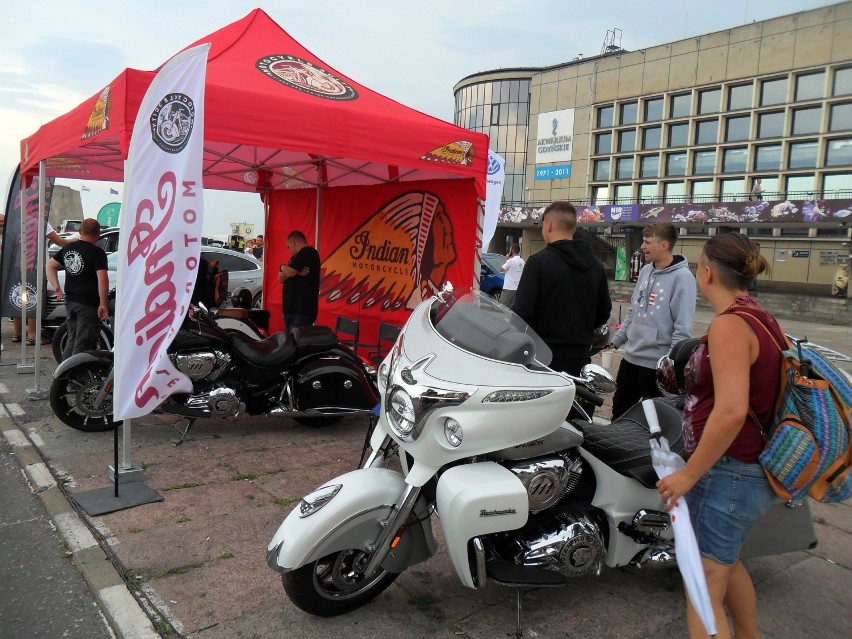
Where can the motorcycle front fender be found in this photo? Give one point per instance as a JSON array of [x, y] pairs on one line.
[[82, 358], [352, 520]]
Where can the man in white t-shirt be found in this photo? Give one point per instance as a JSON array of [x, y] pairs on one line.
[[512, 269]]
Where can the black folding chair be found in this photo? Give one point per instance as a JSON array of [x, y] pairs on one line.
[[387, 337], [346, 330]]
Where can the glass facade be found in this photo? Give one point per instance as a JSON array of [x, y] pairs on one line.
[[501, 109]]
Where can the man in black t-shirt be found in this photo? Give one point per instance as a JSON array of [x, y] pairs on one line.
[[86, 287], [300, 276]]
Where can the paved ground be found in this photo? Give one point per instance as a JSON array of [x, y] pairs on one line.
[[199, 554]]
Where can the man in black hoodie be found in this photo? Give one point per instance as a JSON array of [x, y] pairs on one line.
[[563, 294]]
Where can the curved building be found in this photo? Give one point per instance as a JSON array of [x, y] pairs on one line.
[[683, 131]]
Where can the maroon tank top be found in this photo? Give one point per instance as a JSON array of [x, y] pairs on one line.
[[763, 388]]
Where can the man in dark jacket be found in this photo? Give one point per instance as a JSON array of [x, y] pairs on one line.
[[563, 293]]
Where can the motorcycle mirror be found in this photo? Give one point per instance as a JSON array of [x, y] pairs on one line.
[[598, 378]]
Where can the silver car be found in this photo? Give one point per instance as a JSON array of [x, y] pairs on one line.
[[244, 271]]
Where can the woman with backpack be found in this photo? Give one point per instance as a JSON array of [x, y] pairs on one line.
[[731, 383]]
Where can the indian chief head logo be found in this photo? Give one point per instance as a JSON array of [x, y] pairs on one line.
[[306, 77], [172, 121], [99, 117], [460, 152], [396, 259]]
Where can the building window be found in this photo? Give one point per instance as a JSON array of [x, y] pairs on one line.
[[810, 86], [801, 185], [732, 190], [651, 137], [600, 194], [837, 185], [735, 160], [773, 92], [648, 192], [706, 132], [704, 162], [624, 168], [676, 164], [629, 113], [653, 110], [738, 128], [681, 105], [495, 114], [841, 117], [802, 155], [770, 125], [806, 120], [605, 116], [702, 189], [627, 140], [842, 81], [603, 143], [649, 166], [767, 158], [740, 96], [709, 101], [678, 134], [601, 170], [674, 191], [839, 152], [624, 193]]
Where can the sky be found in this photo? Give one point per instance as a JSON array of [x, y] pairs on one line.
[[54, 58]]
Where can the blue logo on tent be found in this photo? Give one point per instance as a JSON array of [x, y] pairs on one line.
[[493, 165]]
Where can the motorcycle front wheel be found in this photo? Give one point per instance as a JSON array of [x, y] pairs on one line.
[[335, 584], [73, 395]]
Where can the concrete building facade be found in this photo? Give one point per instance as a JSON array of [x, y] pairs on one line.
[[699, 120]]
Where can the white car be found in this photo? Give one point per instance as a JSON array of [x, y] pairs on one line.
[[244, 271]]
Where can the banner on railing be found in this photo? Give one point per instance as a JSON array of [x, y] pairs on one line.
[[778, 211]]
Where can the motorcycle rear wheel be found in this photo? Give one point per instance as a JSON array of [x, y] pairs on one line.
[[333, 585], [72, 396]]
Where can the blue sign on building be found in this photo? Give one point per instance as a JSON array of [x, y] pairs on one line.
[[555, 172]]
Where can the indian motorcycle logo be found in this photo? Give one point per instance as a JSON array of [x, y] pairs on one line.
[[460, 152], [172, 121], [396, 259], [99, 118], [306, 77]]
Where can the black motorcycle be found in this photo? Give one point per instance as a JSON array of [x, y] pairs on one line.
[[306, 374]]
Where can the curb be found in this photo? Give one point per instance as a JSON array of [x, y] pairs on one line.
[[126, 616]]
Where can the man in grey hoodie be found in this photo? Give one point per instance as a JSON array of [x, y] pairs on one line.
[[661, 314]]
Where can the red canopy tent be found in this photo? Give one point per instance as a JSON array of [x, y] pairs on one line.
[[277, 118]]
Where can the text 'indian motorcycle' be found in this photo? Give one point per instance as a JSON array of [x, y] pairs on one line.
[[477, 423], [307, 375]]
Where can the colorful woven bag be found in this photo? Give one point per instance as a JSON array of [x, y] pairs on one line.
[[807, 447]]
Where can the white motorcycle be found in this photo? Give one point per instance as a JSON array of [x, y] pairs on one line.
[[477, 424]]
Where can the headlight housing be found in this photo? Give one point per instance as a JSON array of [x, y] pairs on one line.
[[312, 502], [400, 411], [453, 432]]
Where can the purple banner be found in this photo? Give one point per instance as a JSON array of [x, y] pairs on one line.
[[778, 211]]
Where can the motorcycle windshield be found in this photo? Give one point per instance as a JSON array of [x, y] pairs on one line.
[[481, 325]]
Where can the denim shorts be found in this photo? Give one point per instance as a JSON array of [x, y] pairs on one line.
[[724, 504]]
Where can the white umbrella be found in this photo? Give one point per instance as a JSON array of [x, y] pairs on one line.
[[686, 547]]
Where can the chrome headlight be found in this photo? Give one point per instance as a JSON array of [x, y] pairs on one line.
[[400, 411], [453, 432], [320, 497]]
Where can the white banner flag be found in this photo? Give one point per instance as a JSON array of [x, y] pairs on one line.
[[160, 241], [493, 195]]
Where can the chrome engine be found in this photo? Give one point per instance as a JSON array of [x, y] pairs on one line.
[[548, 479], [219, 402], [569, 543], [206, 365]]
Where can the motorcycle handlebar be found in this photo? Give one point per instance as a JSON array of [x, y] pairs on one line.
[[584, 393]]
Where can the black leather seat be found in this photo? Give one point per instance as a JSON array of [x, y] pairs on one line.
[[313, 339], [623, 444], [273, 352]]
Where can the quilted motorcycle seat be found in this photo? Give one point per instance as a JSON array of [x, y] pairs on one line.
[[313, 339], [275, 351], [623, 444]]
